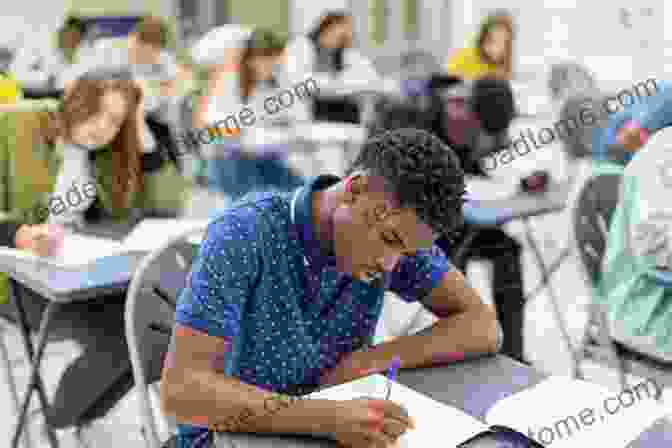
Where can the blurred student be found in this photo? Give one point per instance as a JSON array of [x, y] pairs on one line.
[[492, 54], [144, 52], [327, 56], [287, 290], [474, 129], [218, 53], [10, 89], [45, 68], [244, 103], [97, 165], [640, 236]]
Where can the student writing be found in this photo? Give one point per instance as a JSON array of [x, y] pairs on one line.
[[93, 139], [286, 292]]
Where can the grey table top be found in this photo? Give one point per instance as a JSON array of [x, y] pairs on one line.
[[472, 386]]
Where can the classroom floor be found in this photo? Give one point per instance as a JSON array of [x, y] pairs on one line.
[[545, 348]]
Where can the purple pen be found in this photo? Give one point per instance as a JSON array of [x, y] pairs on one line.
[[392, 374]]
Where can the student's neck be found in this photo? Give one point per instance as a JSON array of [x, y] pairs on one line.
[[325, 203]]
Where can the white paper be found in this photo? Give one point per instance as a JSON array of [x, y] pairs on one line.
[[150, 234], [566, 413], [77, 251], [491, 190], [430, 416]]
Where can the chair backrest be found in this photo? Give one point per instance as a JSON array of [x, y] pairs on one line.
[[576, 125], [149, 317], [592, 216]]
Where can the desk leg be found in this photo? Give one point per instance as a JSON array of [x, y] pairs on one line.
[[551, 270], [4, 354], [35, 355], [546, 281]]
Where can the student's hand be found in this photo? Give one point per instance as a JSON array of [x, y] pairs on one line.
[[367, 423], [631, 137], [44, 240]]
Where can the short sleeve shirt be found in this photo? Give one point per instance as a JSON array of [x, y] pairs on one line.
[[262, 283]]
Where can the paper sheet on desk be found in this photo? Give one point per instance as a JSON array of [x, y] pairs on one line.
[[433, 419], [563, 405], [77, 252], [151, 233]]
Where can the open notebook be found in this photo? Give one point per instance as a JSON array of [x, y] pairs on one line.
[[80, 251], [565, 413]]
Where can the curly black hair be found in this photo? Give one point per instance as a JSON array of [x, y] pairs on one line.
[[423, 172]]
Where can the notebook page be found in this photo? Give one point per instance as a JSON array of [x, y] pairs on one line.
[[565, 413], [77, 252], [80, 250], [430, 416]]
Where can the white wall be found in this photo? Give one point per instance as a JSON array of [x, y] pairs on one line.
[[29, 22], [591, 33]]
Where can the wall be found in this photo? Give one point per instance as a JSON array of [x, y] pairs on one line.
[[590, 33], [271, 14]]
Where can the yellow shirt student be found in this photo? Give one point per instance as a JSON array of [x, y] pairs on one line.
[[10, 90], [468, 64]]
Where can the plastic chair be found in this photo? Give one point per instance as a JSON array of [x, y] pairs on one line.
[[149, 316], [591, 219]]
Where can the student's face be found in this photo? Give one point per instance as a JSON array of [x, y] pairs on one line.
[[262, 66], [70, 39], [338, 35], [101, 128], [142, 53], [496, 42], [371, 234]]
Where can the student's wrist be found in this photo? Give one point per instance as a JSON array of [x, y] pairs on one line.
[[312, 417]]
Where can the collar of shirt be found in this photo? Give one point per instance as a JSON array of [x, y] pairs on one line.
[[302, 219]]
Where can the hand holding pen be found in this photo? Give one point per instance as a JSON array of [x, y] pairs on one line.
[[392, 375]]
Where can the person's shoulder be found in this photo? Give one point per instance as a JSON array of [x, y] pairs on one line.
[[423, 262], [255, 215], [462, 55]]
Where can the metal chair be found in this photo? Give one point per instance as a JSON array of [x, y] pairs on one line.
[[149, 316], [11, 383], [602, 343]]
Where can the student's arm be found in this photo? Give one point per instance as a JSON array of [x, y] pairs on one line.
[[300, 60], [16, 229], [466, 325]]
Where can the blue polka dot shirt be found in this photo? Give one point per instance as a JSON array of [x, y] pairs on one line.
[[262, 282]]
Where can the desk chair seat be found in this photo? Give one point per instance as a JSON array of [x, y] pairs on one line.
[[603, 341], [149, 317]]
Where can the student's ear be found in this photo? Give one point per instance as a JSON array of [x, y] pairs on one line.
[[354, 187]]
